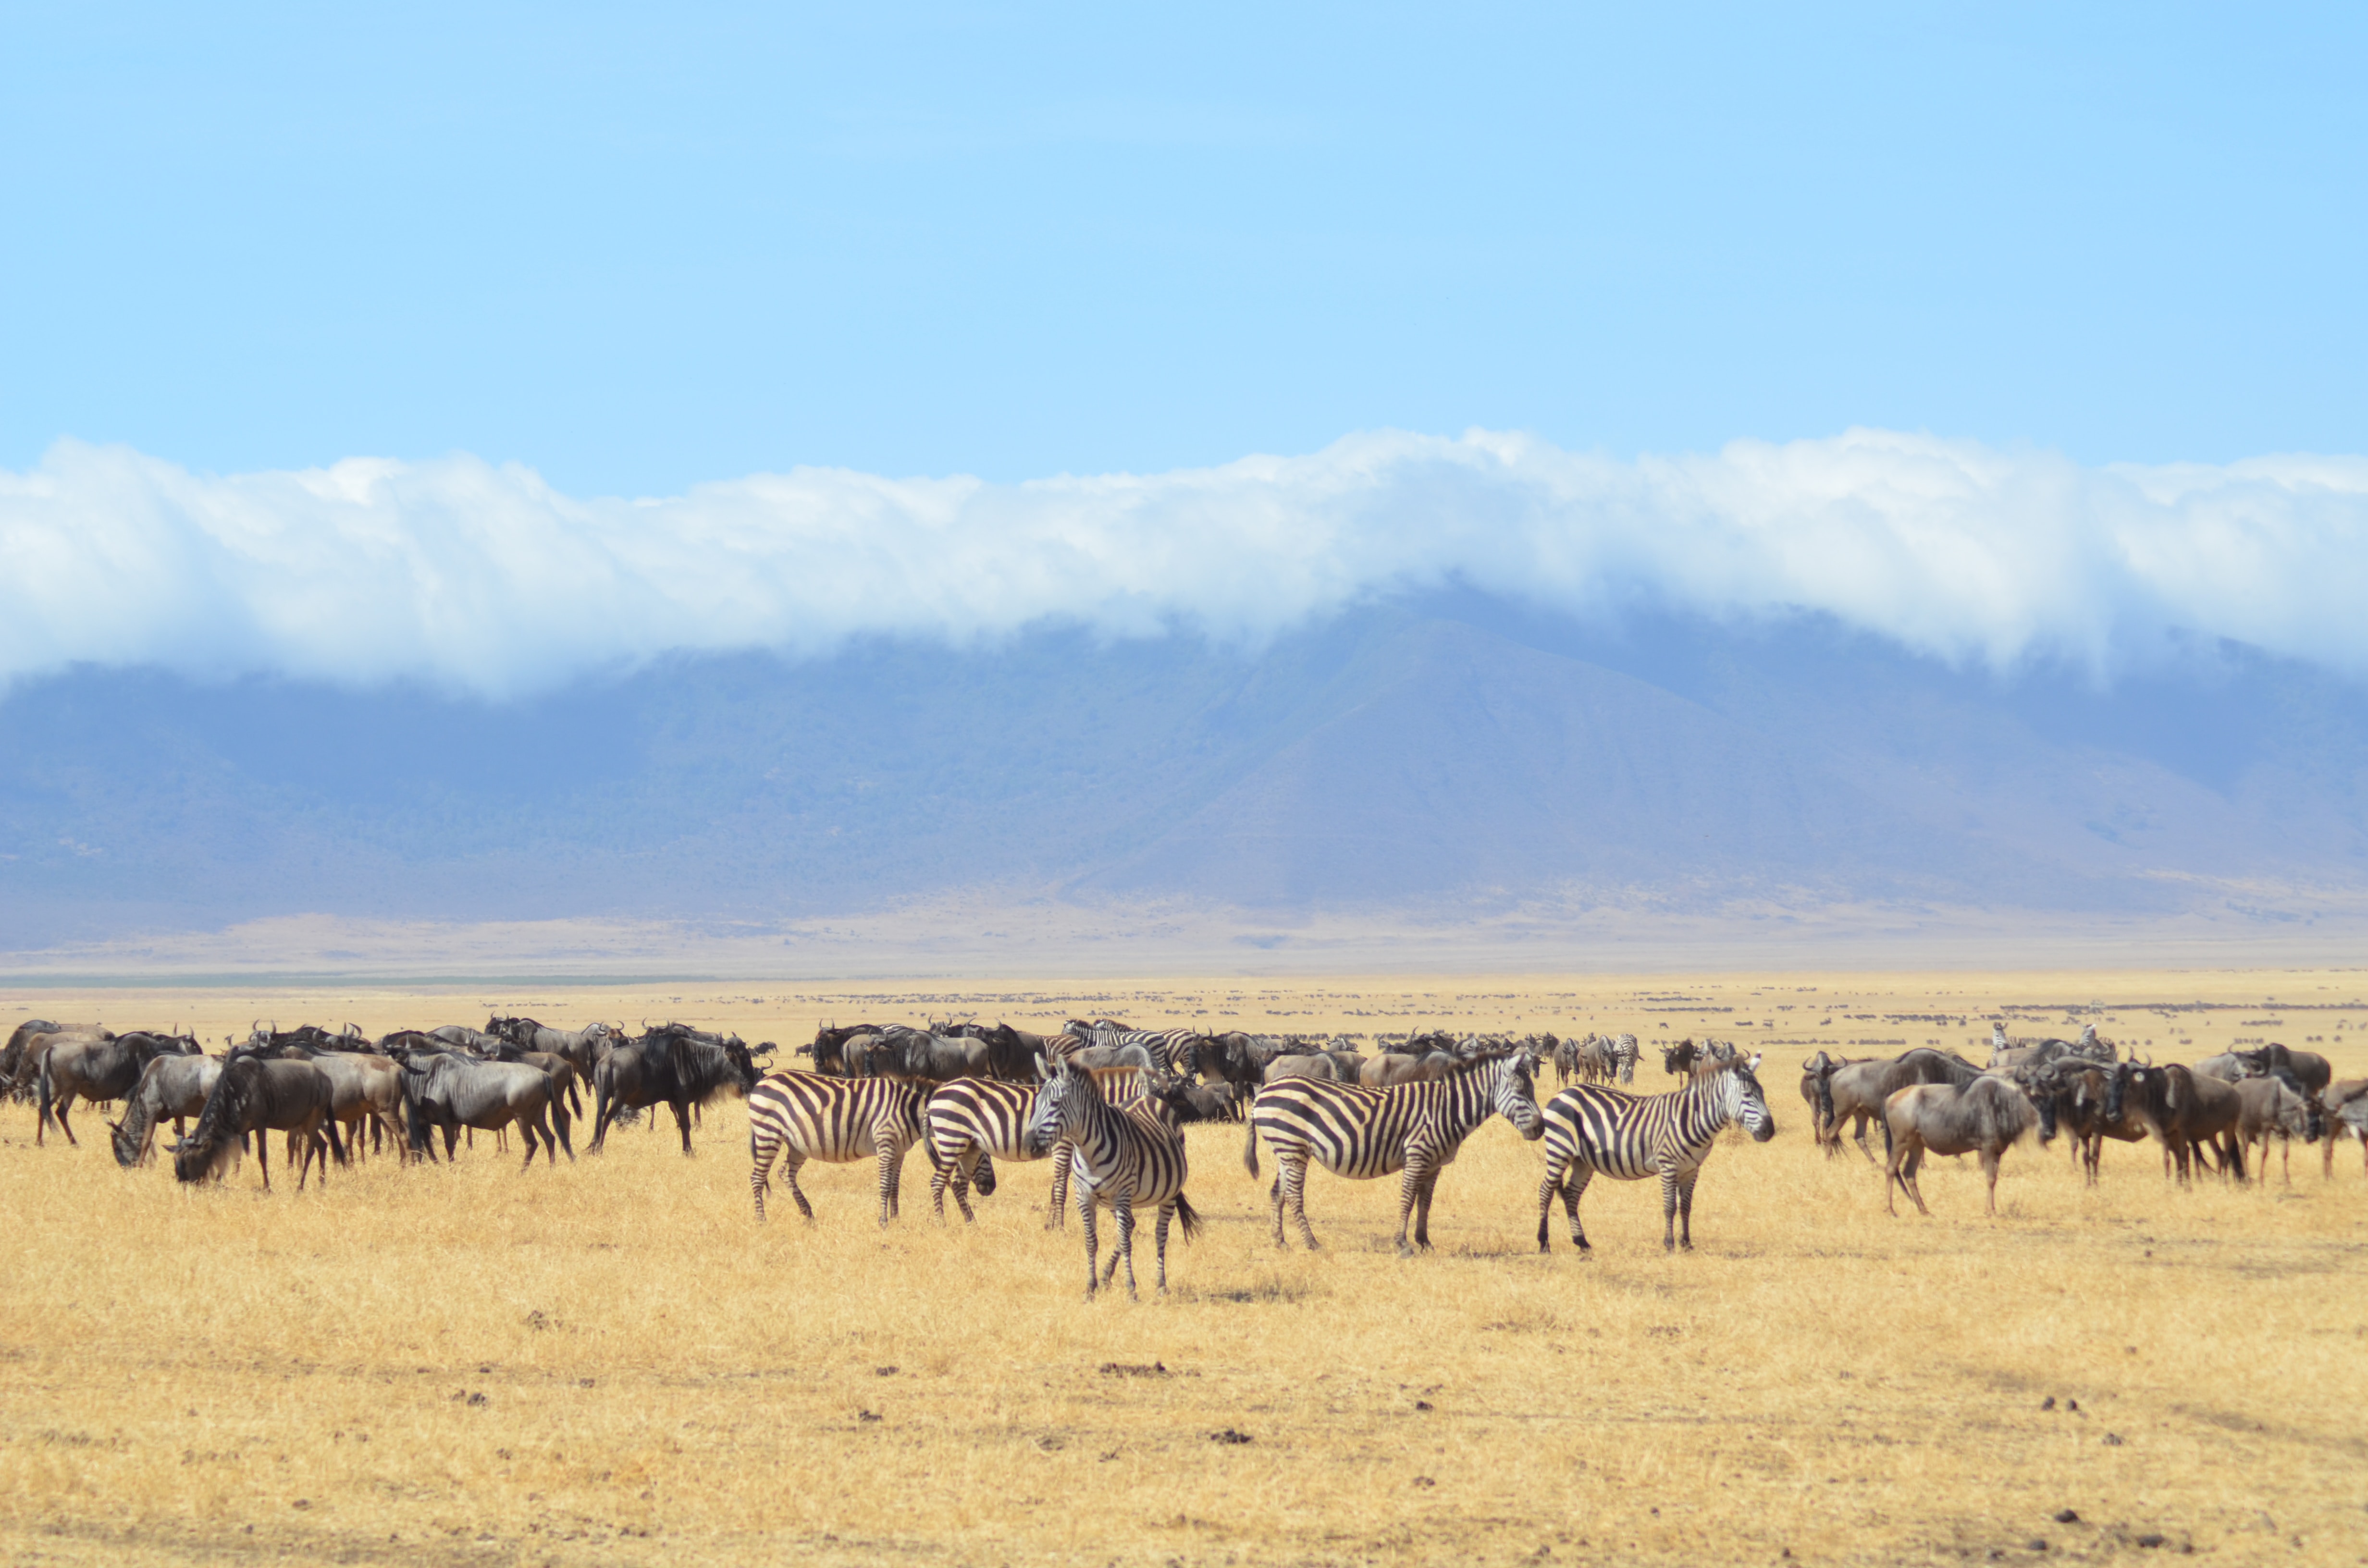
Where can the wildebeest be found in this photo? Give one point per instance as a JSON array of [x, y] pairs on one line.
[[95, 1070], [2310, 1070], [11, 1055], [2076, 1092], [450, 1093], [174, 1087], [2024, 1055], [1858, 1090], [922, 1057], [2183, 1108], [581, 1047], [672, 1065], [32, 1047], [2275, 1107], [1397, 1067], [2344, 1106], [255, 1096], [829, 1048], [1678, 1061], [1985, 1117], [1309, 1064]]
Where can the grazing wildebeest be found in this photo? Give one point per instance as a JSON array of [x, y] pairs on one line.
[[2276, 1107], [452, 1092], [2183, 1109], [255, 1096], [1229, 1058], [1397, 1067], [673, 1066], [174, 1087], [2344, 1106], [1860, 1090], [1983, 1117], [99, 1070]]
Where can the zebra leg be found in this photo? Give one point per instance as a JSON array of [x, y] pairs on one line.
[[1547, 1190], [1057, 1211], [1574, 1188], [1686, 1209], [1093, 1241], [790, 1161], [1124, 1206], [760, 1164], [1668, 1206], [943, 1174], [1294, 1180], [1159, 1236], [891, 1165], [1414, 1197]]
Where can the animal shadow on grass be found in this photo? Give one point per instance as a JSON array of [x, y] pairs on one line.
[[1278, 1289]]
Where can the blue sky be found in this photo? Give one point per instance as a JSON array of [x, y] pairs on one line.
[[643, 249]]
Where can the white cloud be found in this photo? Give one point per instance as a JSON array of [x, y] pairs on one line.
[[483, 578]]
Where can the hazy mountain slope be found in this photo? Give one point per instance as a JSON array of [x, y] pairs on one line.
[[1397, 756]]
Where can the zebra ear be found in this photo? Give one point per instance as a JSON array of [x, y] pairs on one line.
[[1041, 1069], [1754, 1064]]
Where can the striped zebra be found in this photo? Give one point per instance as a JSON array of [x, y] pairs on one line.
[[1169, 1048], [805, 1116], [1126, 1155], [1622, 1051], [972, 1122], [1361, 1134], [1590, 1130]]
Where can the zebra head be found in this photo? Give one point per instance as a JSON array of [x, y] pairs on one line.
[[1746, 1101], [1059, 1110], [1511, 1094]]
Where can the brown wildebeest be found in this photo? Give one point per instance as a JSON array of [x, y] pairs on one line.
[[97, 1070], [450, 1093], [257, 1096], [1984, 1118], [1309, 1065], [2077, 1091], [1860, 1090], [2344, 1105], [11, 1055], [33, 1047], [2275, 1107], [2311, 1071], [1815, 1068], [1398, 1067], [2183, 1108]]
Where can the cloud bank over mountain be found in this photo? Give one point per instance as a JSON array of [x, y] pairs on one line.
[[481, 579]]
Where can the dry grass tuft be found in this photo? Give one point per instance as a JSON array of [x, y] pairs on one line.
[[612, 1362]]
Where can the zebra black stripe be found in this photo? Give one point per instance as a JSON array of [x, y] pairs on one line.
[[974, 1122], [1167, 1046], [805, 1116], [1363, 1133], [1590, 1129], [1126, 1155]]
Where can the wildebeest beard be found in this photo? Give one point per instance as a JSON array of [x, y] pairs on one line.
[[211, 1149]]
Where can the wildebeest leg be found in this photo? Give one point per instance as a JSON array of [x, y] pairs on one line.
[[1989, 1174], [561, 1119], [1159, 1238], [63, 1124], [1858, 1130], [526, 1136], [1891, 1177], [263, 1157], [682, 1120]]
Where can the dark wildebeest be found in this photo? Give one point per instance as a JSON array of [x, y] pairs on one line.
[[673, 1066], [1310, 1064], [1812, 1071], [1678, 1061], [2183, 1109], [33, 1048], [99, 1070], [1983, 1117], [1397, 1067], [829, 1045], [1860, 1090], [174, 1087], [2276, 1107], [2076, 1092], [558, 1066], [2310, 1070], [2344, 1107], [253, 1096], [11, 1055], [580, 1048], [452, 1092], [927, 1058]]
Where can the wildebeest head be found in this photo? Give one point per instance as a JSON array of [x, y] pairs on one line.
[[212, 1146], [1679, 1058], [2144, 1077]]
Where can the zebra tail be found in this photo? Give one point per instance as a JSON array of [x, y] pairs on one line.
[[1187, 1218], [1249, 1145]]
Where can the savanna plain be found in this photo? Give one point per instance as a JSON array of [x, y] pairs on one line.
[[612, 1362]]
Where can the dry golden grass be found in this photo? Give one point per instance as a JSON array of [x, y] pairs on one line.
[[611, 1363]]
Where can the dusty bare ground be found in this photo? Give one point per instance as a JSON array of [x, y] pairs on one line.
[[612, 1362]]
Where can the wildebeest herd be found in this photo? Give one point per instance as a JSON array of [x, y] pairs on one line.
[[1106, 1105]]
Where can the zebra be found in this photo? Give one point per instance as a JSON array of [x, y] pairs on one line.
[[1629, 1137], [1361, 1134], [1622, 1051], [972, 1122], [1169, 1049], [1126, 1155], [805, 1116]]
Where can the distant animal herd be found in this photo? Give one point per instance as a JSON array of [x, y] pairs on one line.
[[1107, 1103]]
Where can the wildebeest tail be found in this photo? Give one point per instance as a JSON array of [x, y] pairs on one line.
[[1187, 1217]]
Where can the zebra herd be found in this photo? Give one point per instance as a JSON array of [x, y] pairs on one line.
[[1107, 1105]]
